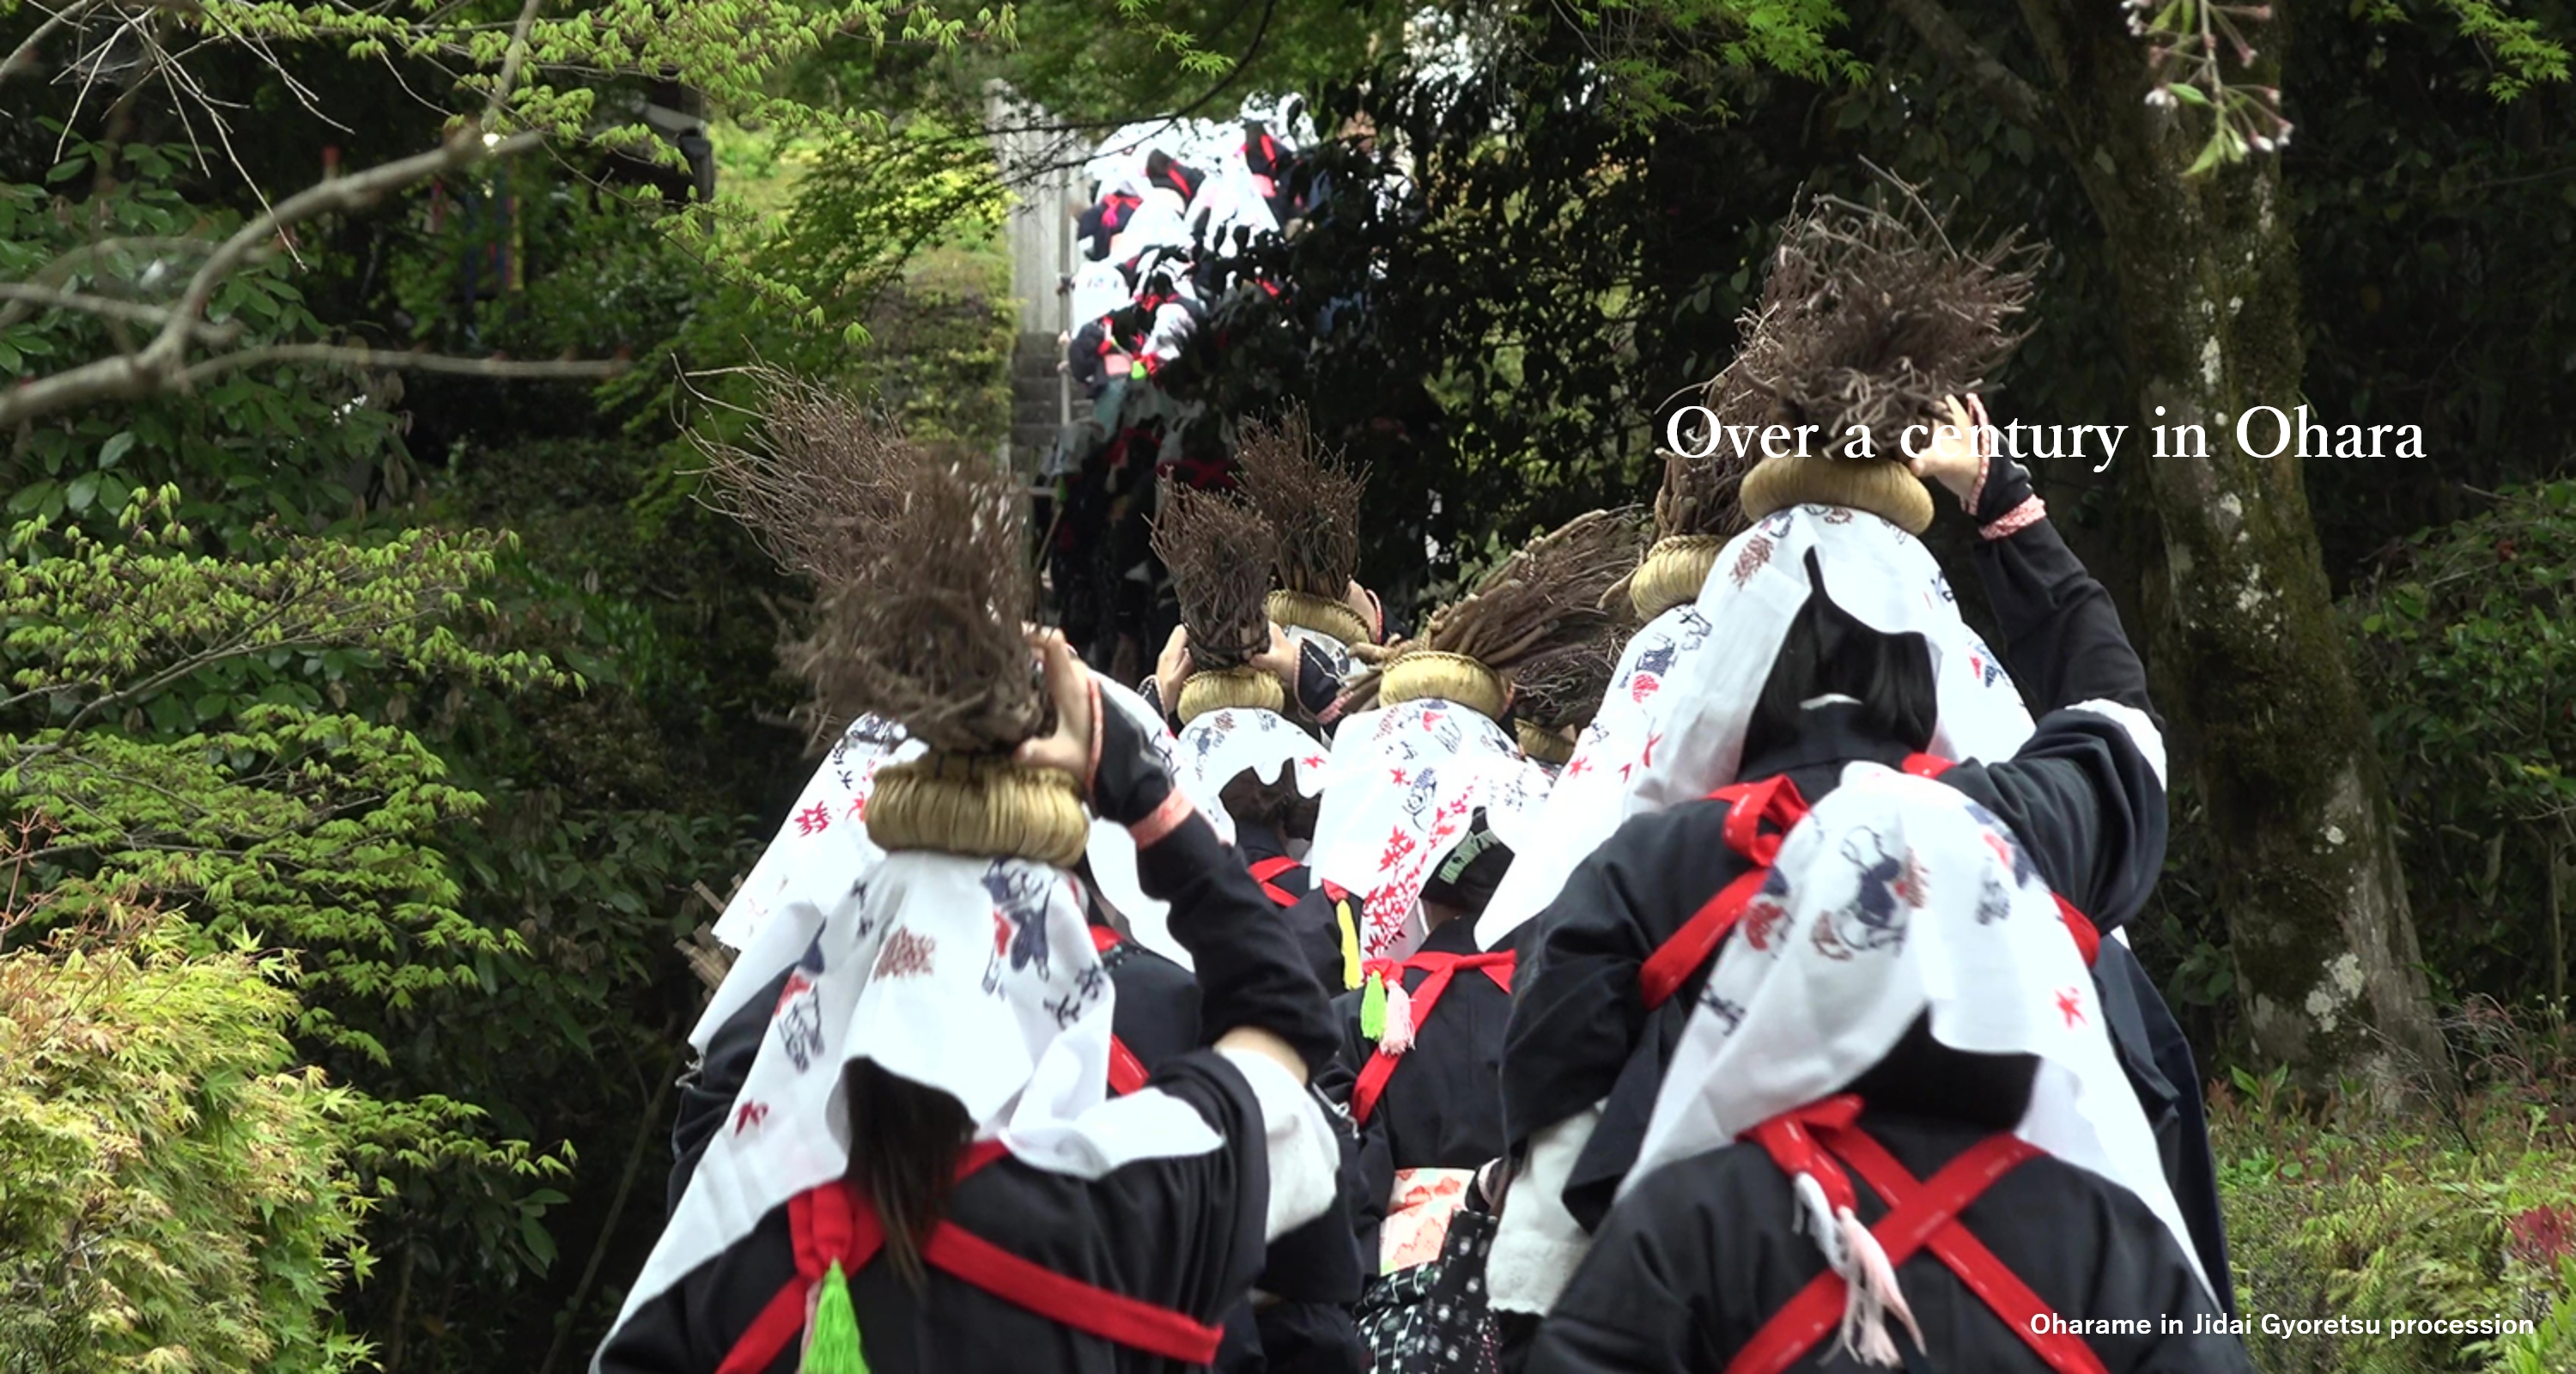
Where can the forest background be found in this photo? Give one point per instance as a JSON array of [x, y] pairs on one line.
[[382, 709]]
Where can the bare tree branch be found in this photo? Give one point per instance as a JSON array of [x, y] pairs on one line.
[[58, 271], [356, 355], [2018, 100], [163, 362], [28, 296], [23, 57]]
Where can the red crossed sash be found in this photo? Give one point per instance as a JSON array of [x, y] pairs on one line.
[[1759, 815], [1749, 805], [833, 1223], [1921, 1214], [1440, 968], [1126, 1071], [1267, 873]]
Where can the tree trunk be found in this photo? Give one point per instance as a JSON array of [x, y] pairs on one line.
[[2248, 655]]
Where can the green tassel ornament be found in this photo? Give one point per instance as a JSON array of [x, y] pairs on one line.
[[1373, 1008], [832, 1346]]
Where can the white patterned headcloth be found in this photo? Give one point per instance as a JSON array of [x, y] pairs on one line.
[[1671, 728], [1896, 896]]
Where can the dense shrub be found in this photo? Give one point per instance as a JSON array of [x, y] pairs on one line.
[[2468, 646], [2464, 1213], [173, 1195]]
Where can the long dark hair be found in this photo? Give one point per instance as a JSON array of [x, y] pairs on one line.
[[905, 1143], [1829, 650], [1923, 1077], [1277, 804]]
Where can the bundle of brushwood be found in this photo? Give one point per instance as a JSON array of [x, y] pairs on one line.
[[1869, 319], [1219, 551], [1555, 694], [1546, 597], [1311, 500], [919, 562]]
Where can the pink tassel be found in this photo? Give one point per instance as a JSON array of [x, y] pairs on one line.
[[1871, 1296], [1399, 1020]]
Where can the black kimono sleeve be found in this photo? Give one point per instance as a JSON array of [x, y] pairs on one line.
[[1250, 972], [2082, 794], [1579, 1014], [1315, 1272], [707, 1094]]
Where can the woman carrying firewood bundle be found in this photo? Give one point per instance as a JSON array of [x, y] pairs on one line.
[[1428, 796], [925, 1168], [1845, 651]]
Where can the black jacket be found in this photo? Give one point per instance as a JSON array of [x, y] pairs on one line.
[[1699, 1257], [1442, 1107], [2085, 803]]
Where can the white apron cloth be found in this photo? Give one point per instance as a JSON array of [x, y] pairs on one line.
[[1220, 746]]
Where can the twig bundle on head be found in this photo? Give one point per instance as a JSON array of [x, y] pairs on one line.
[[1219, 551], [1310, 499], [1697, 499], [1563, 687], [815, 477], [1869, 318], [1546, 597], [920, 614]]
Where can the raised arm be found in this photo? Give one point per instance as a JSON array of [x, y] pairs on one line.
[[1257, 995], [2086, 794]]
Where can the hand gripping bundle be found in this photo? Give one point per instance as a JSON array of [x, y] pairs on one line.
[[1869, 318]]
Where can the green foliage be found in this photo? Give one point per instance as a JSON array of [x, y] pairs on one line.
[[1665, 57], [730, 49], [2342, 1210], [607, 806], [174, 1193], [177, 739], [2469, 650], [138, 228], [176, 731], [939, 349], [2520, 49], [1143, 58]]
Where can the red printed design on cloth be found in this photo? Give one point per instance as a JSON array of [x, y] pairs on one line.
[[905, 954], [1757, 551], [1417, 1216], [813, 820]]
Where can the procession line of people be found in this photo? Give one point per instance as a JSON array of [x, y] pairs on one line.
[[1694, 949]]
